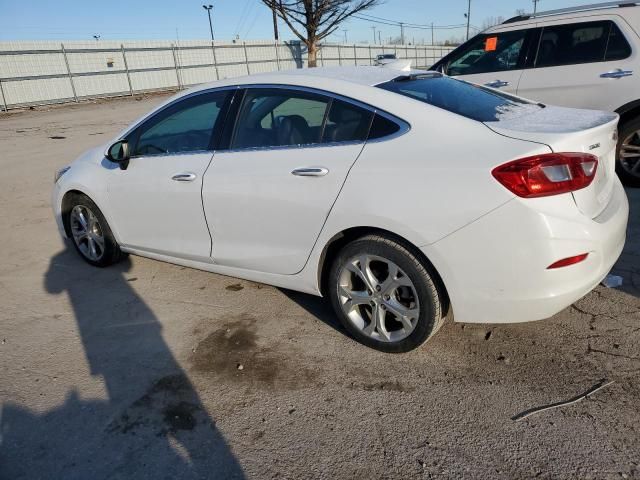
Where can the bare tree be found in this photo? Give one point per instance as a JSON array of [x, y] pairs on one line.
[[491, 22], [313, 20]]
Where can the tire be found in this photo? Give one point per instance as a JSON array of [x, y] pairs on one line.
[[629, 133], [412, 293], [93, 239]]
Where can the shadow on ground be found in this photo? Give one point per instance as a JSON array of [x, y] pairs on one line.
[[151, 422]]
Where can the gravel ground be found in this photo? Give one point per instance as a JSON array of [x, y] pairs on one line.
[[149, 370]]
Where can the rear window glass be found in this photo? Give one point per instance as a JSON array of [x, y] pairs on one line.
[[456, 96]]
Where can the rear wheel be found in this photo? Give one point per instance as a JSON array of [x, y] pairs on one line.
[[628, 164], [90, 233], [384, 295]]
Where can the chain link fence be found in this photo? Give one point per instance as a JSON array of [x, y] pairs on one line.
[[46, 72]]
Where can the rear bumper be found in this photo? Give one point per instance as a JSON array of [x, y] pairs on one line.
[[495, 268]]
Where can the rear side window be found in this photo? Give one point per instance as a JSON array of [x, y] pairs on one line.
[[382, 127], [618, 48], [346, 123], [578, 43], [490, 53], [462, 98]]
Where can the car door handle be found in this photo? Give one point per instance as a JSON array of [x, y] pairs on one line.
[[497, 84], [617, 73], [184, 177], [310, 172]]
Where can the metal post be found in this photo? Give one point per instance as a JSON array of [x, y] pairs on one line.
[[208, 9], [277, 54], [339, 56], [370, 56], [126, 67], [246, 58], [4, 100], [215, 61], [175, 63], [321, 55], [468, 18], [355, 55], [415, 50], [66, 62]]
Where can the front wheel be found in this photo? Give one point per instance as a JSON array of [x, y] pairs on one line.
[[384, 295], [90, 233], [628, 165]]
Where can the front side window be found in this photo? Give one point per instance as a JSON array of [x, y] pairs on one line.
[[186, 126], [462, 98], [581, 43], [278, 117], [494, 52]]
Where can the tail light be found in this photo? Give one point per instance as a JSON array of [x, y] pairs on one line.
[[548, 174], [565, 262]]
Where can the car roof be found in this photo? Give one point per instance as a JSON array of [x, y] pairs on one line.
[[620, 7], [361, 75]]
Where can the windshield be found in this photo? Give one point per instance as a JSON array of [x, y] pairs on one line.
[[466, 99]]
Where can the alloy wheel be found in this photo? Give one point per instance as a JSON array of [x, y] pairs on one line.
[[87, 232], [378, 298], [630, 154]]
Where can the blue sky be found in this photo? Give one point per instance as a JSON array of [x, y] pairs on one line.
[[250, 19]]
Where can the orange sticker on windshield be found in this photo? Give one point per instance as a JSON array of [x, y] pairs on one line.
[[491, 44]]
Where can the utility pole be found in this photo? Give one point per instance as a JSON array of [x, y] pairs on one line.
[[275, 23], [432, 35], [468, 15], [535, 6], [402, 33], [374, 34], [379, 37], [345, 35], [208, 9]]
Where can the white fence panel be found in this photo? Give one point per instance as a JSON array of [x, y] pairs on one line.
[[41, 72]]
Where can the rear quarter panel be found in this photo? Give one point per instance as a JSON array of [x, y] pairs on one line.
[[428, 182]]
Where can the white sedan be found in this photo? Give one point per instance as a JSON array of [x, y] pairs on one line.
[[397, 195]]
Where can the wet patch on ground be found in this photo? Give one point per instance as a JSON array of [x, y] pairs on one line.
[[234, 353]]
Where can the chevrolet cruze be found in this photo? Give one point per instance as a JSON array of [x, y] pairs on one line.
[[398, 195]]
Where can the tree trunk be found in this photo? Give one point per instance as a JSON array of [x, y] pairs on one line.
[[312, 54]]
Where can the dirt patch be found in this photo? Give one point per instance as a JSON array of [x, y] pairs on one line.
[[235, 287], [233, 352]]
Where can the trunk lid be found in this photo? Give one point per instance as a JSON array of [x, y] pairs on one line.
[[569, 130]]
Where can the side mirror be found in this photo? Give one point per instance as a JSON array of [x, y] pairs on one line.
[[119, 153]]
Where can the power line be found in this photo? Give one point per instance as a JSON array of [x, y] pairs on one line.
[[406, 24], [411, 25]]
